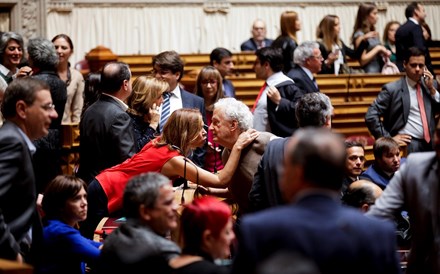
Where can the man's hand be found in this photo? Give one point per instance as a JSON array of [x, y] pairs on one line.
[[274, 95], [402, 139]]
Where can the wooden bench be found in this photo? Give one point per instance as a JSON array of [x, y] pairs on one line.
[[142, 64]]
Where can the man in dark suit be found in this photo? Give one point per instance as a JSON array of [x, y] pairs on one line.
[[274, 108], [221, 59], [397, 110], [28, 110], [410, 34], [168, 67], [258, 39], [308, 61], [315, 224], [415, 188], [312, 109], [106, 136]]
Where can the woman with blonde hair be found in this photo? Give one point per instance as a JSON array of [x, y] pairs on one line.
[[365, 35], [183, 132], [209, 87], [288, 41], [332, 48], [143, 108]]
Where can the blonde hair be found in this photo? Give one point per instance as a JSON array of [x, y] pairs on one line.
[[146, 90], [326, 32], [181, 129], [288, 24]]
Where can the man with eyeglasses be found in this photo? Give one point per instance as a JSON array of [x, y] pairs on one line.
[[405, 109], [168, 67], [28, 110], [308, 62]]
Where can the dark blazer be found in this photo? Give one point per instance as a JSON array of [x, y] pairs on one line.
[[190, 100], [250, 45], [345, 51], [411, 35], [106, 137], [228, 88], [392, 104], [47, 158], [18, 194], [265, 191], [337, 238], [288, 46], [282, 117], [302, 80]]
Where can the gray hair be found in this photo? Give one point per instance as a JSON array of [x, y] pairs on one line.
[[42, 54], [4, 40], [313, 109], [144, 190], [304, 51], [236, 110]]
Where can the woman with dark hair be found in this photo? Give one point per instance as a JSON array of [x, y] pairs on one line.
[[209, 87], [365, 35], [183, 132], [64, 249], [72, 77], [287, 41], [91, 90], [206, 227], [143, 108], [43, 59], [11, 57]]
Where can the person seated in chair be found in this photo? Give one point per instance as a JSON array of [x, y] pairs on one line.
[[387, 161]]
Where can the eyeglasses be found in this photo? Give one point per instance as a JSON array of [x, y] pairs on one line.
[[319, 57], [48, 107], [212, 82], [160, 71]]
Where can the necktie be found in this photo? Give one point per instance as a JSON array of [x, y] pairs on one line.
[[259, 95], [314, 82], [165, 110], [423, 114]]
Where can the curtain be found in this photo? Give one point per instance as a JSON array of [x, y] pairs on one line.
[[150, 29]]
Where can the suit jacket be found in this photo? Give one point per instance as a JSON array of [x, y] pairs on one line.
[[345, 51], [281, 117], [392, 104], [250, 45], [135, 248], [415, 189], [302, 80], [337, 238], [241, 181], [411, 35], [190, 100], [265, 191], [18, 194], [106, 137], [228, 88]]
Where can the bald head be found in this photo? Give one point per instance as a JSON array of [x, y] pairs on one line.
[[361, 194]]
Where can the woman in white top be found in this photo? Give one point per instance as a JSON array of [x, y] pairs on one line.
[[73, 79]]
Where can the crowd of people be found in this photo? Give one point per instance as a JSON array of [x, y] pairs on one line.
[[269, 179]]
